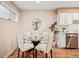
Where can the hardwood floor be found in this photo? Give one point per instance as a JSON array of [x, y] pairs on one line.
[[56, 52]]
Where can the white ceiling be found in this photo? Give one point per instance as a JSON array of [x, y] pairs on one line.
[[44, 5]]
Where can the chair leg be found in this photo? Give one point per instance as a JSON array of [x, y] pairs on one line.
[[18, 52], [26, 53], [35, 53], [51, 53], [46, 55], [22, 54]]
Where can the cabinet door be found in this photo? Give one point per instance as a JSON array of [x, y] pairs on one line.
[[62, 40], [72, 41]]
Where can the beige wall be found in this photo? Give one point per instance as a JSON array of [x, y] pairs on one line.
[[46, 17], [8, 31]]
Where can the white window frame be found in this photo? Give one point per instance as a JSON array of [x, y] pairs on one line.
[[14, 20]]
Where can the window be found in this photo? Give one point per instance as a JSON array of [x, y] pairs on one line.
[[7, 14], [68, 18], [12, 16], [4, 12]]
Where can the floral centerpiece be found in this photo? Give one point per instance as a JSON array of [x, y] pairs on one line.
[[54, 28]]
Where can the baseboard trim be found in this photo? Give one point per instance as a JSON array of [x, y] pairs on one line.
[[10, 53]]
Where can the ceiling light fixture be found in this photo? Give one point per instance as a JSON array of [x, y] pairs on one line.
[[37, 1]]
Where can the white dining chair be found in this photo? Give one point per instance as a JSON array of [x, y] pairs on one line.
[[45, 44], [23, 45], [36, 36], [27, 37]]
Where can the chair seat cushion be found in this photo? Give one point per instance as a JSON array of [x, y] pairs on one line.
[[41, 47], [27, 46]]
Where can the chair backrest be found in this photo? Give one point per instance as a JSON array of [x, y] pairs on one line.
[[50, 42], [27, 35], [45, 35], [20, 40]]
